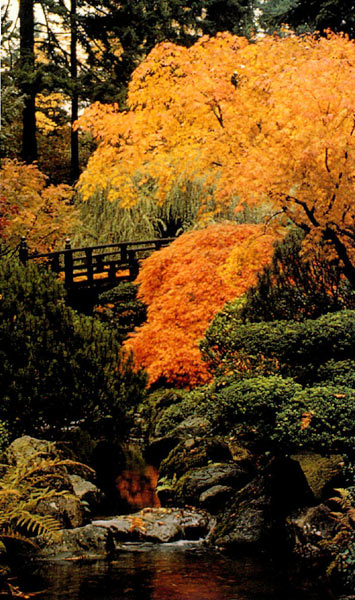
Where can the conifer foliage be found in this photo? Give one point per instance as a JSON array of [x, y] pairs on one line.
[[56, 366], [184, 286]]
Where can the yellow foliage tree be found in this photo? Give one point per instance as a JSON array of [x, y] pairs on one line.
[[274, 120]]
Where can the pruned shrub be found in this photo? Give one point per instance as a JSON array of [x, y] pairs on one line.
[[289, 348], [250, 406], [320, 418], [337, 372], [121, 309]]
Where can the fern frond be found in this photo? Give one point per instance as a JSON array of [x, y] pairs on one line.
[[37, 524], [9, 534], [24, 486]]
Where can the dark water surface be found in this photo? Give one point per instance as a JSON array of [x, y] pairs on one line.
[[169, 572]]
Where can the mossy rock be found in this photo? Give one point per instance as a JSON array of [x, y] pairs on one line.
[[192, 484], [239, 453], [26, 447], [187, 456], [194, 453], [245, 522], [323, 473]]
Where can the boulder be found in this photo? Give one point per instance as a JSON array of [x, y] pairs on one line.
[[215, 497], [26, 447], [86, 491], [191, 485], [249, 530], [192, 427], [246, 521], [187, 457], [322, 473], [311, 526], [193, 453], [158, 525], [87, 542], [254, 515], [69, 509]]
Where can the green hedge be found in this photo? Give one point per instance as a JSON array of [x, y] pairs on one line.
[[289, 348], [271, 413], [121, 309], [250, 406], [320, 418], [341, 372]]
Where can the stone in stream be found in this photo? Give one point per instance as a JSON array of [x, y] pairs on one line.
[[154, 525], [159, 525]]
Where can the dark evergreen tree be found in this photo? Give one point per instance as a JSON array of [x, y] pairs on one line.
[[27, 81], [127, 31], [236, 16], [74, 139], [57, 366], [309, 15]]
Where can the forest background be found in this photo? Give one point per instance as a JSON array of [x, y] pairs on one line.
[[230, 124]]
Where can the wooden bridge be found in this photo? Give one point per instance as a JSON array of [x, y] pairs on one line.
[[101, 266]]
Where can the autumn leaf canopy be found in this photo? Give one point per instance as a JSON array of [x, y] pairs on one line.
[[33, 208], [274, 120], [184, 286]]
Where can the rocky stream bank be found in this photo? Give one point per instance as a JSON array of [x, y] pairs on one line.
[[210, 489]]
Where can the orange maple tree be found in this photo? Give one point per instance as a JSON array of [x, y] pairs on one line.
[[184, 286], [273, 119], [43, 213]]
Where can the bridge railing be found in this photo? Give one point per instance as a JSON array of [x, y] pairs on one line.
[[92, 265]]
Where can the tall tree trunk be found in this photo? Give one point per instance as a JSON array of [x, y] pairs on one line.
[[74, 157], [27, 83]]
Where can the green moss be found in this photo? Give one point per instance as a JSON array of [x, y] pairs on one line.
[[182, 459], [319, 470]]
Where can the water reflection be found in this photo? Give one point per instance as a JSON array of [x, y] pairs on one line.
[[166, 573], [137, 487]]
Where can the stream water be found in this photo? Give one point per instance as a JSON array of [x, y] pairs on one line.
[[179, 571], [164, 572]]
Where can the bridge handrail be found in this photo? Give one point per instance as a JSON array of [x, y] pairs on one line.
[[158, 241]]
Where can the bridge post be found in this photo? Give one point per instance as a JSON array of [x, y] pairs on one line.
[[68, 263], [89, 267], [158, 244], [55, 264], [123, 247], [133, 265], [23, 250]]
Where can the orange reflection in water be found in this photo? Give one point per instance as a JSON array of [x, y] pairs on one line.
[[184, 579], [138, 488], [180, 587]]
